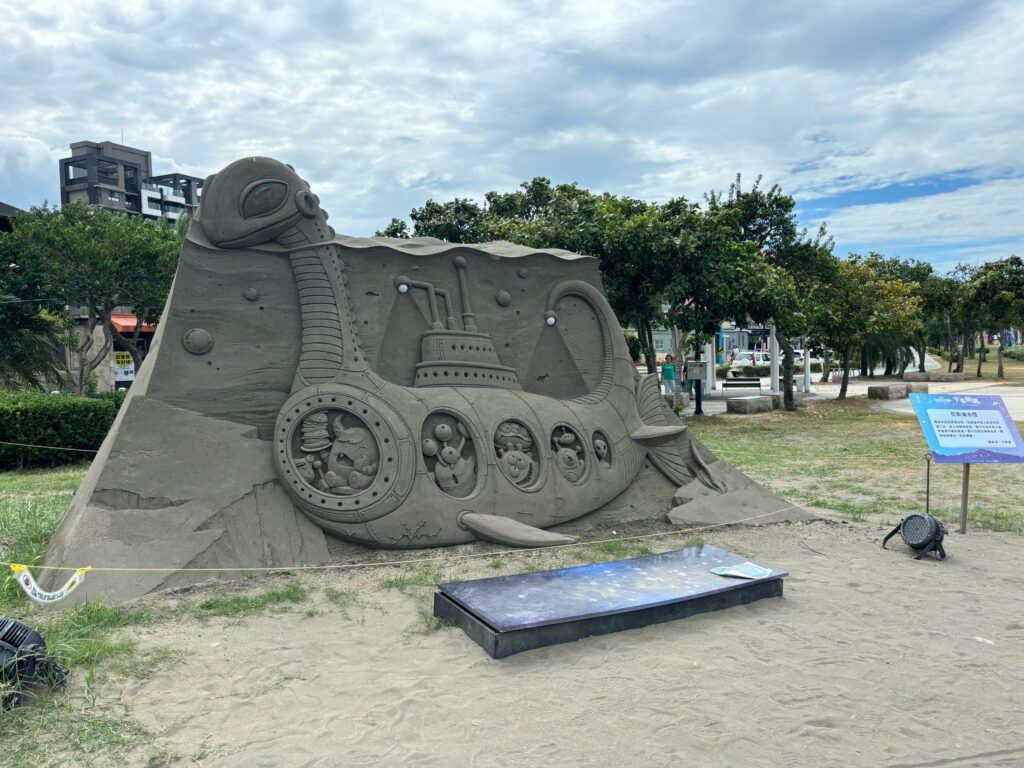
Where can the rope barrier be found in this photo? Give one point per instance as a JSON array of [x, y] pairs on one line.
[[409, 561], [886, 457], [49, 447]]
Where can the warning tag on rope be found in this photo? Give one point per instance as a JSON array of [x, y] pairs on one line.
[[33, 590]]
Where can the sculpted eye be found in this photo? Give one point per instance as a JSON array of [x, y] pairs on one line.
[[263, 197]]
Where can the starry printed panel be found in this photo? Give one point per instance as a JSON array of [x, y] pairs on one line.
[[550, 597]]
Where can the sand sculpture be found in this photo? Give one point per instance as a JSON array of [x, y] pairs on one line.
[[307, 388]]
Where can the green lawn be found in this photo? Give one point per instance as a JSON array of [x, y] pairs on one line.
[[860, 461]]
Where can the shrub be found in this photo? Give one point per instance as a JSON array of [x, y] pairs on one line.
[[61, 421]]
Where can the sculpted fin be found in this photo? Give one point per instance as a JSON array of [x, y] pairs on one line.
[[512, 533], [675, 456]]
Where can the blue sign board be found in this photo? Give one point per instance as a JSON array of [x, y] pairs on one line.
[[968, 429]]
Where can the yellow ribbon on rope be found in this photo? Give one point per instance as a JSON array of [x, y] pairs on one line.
[[35, 592]]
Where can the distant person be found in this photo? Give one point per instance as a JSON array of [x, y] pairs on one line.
[[668, 375], [686, 375]]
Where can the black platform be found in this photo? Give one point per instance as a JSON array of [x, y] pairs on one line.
[[510, 614]]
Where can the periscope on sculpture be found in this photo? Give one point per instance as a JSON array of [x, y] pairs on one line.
[[432, 379]]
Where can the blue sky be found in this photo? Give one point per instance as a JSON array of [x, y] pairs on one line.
[[899, 124]]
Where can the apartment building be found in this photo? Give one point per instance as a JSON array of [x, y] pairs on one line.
[[121, 178]]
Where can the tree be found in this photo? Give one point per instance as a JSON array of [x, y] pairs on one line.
[[767, 220], [28, 344], [99, 260], [395, 228], [859, 302], [997, 289], [625, 235]]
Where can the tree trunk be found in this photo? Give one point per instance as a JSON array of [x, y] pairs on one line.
[[863, 361], [981, 359], [999, 360], [889, 365], [960, 354], [647, 342], [847, 353], [788, 401], [90, 362], [652, 361], [949, 342], [826, 365]]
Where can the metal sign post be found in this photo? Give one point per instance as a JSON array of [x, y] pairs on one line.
[[963, 498]]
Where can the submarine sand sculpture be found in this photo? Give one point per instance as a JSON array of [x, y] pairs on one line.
[[307, 389]]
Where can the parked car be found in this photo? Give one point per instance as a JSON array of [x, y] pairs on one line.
[[748, 359]]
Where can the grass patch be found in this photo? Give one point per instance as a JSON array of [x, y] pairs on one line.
[[428, 575], [861, 461], [497, 563], [244, 605], [58, 733], [603, 551], [427, 622], [342, 599], [43, 481], [26, 524], [142, 664]]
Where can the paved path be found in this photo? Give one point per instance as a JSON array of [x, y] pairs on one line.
[[714, 402]]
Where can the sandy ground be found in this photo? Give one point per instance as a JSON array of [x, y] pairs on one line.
[[869, 659]]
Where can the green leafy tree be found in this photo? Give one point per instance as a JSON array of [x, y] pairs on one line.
[[97, 260], [395, 228], [997, 290], [858, 303], [625, 235], [766, 219]]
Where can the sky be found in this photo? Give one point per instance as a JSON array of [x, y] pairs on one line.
[[900, 124]]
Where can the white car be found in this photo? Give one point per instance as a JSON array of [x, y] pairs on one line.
[[748, 359]]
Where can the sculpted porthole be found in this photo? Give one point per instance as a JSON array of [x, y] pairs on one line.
[[449, 453], [518, 453], [602, 449], [570, 458], [335, 452]]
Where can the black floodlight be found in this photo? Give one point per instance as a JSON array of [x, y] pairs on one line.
[[22, 650], [921, 532]]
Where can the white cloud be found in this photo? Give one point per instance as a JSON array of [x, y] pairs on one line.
[[382, 105]]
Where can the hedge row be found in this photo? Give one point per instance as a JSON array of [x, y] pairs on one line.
[[61, 421]]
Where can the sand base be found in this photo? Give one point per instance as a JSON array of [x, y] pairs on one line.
[[869, 659]]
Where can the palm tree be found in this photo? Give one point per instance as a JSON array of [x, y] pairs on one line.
[[29, 341]]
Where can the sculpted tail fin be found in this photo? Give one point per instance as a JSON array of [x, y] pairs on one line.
[[668, 448]]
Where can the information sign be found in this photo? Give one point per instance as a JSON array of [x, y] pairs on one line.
[[968, 429], [124, 367], [696, 370]]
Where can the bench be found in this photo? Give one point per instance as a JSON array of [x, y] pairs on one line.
[[750, 404], [742, 382], [836, 374]]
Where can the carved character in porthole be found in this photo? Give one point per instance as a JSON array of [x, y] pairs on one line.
[[517, 453], [449, 453], [569, 454], [602, 450], [341, 454]]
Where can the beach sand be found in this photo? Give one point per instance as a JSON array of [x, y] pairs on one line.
[[869, 659]]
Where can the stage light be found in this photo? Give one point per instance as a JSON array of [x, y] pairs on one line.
[[921, 532]]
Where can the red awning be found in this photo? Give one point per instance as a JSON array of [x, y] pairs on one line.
[[126, 324]]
